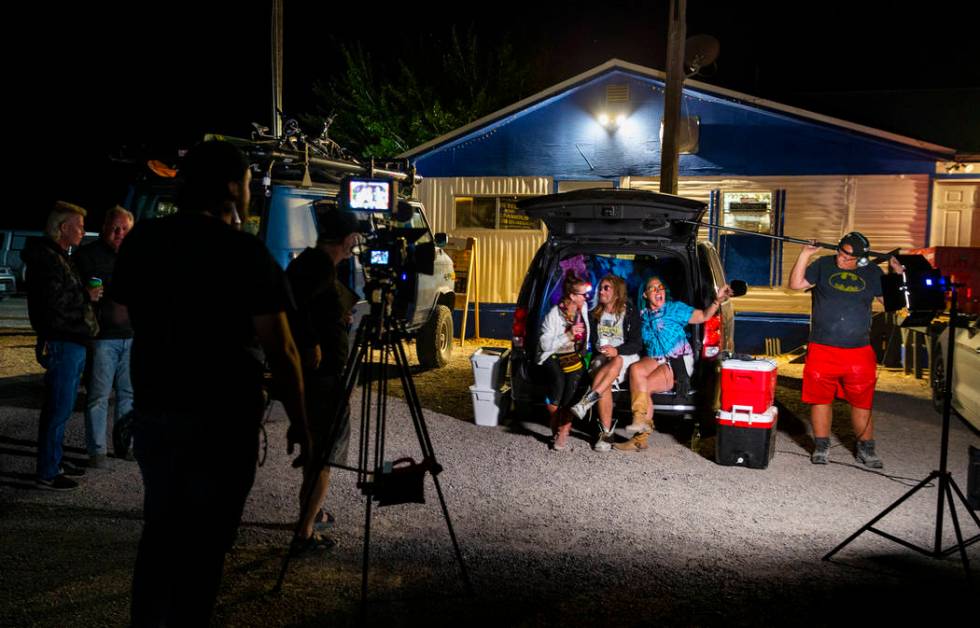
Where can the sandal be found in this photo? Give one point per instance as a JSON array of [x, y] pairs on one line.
[[315, 544], [637, 443]]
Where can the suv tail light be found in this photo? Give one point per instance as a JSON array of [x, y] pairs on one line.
[[711, 346], [519, 328]]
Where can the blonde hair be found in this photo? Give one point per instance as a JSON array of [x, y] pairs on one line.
[[117, 210], [619, 295], [61, 212]]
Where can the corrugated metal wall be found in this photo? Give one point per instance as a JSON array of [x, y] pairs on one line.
[[502, 256], [891, 210]]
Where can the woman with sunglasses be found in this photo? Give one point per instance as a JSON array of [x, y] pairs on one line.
[[564, 337], [662, 324], [616, 345]]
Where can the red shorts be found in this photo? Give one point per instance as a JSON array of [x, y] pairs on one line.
[[849, 374]]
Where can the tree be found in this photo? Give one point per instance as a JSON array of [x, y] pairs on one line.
[[382, 110]]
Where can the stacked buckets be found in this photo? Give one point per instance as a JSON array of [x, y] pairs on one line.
[[491, 396]]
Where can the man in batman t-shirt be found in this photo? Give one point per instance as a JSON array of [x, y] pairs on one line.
[[840, 361]]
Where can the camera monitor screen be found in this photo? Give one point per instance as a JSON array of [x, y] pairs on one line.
[[379, 258], [374, 195]]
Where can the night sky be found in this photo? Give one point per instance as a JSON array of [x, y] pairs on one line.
[[90, 79]]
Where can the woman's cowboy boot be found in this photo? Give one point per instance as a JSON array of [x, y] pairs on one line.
[[639, 442], [640, 404]]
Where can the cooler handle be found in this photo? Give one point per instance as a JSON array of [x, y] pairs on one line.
[[747, 409]]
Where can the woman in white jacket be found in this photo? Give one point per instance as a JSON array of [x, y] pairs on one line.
[[563, 340]]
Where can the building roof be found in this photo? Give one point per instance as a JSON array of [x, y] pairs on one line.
[[689, 85]]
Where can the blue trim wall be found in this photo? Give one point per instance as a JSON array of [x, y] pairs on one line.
[[561, 137], [751, 328]]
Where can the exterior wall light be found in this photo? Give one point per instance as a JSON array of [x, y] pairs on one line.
[[611, 123]]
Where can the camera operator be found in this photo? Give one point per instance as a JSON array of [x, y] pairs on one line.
[[319, 324], [199, 295]]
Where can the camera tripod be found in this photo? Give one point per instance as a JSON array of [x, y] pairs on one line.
[[947, 485], [379, 480]]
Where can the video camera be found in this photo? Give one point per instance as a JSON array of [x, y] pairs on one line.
[[390, 255]]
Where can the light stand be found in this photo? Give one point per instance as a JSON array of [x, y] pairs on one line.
[[946, 483]]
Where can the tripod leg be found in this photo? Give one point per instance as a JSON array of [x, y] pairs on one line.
[[418, 420], [452, 536], [367, 555], [412, 399], [881, 515]]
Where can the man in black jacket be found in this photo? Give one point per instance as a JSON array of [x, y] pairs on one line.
[[110, 350], [319, 325], [61, 313]]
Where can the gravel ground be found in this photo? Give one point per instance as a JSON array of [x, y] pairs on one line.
[[664, 537]]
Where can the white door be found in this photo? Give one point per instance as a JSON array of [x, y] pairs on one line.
[[957, 218]]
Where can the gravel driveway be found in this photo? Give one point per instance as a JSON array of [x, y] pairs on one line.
[[664, 537]]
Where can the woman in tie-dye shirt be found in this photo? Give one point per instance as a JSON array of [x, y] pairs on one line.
[[663, 323]]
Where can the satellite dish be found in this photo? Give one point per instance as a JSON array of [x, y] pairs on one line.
[[699, 51]]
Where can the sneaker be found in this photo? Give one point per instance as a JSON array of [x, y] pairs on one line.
[[57, 483], [581, 408], [866, 455], [821, 451], [70, 469], [98, 461], [604, 441], [316, 544]]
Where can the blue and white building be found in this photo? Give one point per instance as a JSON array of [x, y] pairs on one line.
[[758, 165]]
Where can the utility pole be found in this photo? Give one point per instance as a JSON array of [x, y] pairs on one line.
[[276, 125], [676, 35]]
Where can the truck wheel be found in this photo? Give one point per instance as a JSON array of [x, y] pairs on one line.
[[435, 340]]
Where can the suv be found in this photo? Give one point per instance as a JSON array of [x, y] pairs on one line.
[[633, 234], [284, 216]]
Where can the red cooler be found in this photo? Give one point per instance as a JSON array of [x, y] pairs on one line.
[[746, 438], [748, 383]]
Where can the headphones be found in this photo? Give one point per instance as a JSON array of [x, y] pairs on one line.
[[859, 247]]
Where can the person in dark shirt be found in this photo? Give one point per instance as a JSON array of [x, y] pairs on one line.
[[111, 349], [840, 360], [199, 294], [60, 309], [319, 325]]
